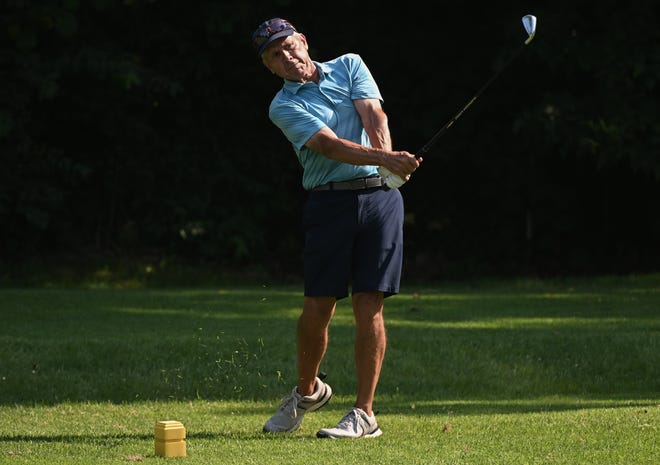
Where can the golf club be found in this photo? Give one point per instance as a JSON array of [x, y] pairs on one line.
[[529, 23], [393, 181]]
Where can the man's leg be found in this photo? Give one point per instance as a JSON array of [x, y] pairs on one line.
[[370, 344], [312, 339], [307, 395]]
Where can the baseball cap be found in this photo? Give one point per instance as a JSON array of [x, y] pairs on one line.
[[269, 31]]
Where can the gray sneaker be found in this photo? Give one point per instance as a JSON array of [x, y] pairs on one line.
[[290, 414], [355, 424]]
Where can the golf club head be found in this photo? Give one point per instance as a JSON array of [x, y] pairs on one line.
[[529, 22]]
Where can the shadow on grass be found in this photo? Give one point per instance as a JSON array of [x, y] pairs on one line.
[[463, 408], [585, 339], [104, 439], [74, 438]]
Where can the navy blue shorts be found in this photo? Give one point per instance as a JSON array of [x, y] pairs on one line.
[[353, 238]]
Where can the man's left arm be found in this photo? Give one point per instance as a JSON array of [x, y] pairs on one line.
[[374, 120]]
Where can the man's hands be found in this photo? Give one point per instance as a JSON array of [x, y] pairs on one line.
[[390, 179], [399, 169]]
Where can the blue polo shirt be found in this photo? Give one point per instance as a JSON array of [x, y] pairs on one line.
[[301, 110]]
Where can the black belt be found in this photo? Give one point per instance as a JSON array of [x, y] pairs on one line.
[[352, 185]]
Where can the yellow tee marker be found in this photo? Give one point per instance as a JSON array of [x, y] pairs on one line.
[[170, 439]]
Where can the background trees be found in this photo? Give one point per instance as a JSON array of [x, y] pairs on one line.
[[139, 128]]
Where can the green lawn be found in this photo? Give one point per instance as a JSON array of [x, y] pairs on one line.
[[493, 372]]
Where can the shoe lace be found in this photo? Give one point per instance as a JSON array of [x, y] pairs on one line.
[[289, 405], [349, 421]]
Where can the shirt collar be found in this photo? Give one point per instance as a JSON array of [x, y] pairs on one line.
[[294, 87]]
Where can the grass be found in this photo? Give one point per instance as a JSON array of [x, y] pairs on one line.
[[494, 372]]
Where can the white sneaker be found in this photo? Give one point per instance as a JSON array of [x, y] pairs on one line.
[[355, 424], [290, 414]]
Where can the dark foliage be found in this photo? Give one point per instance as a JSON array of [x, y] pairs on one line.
[[139, 129]]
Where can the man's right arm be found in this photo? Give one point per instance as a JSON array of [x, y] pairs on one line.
[[326, 142]]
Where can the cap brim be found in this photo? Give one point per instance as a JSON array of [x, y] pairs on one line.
[[277, 35]]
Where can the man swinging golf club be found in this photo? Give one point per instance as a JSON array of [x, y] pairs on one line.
[[331, 113]]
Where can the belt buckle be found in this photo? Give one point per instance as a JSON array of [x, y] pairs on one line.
[[372, 181]]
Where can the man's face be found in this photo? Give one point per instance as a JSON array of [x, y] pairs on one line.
[[288, 58]]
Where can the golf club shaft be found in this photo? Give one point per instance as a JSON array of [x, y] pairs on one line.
[[437, 135]]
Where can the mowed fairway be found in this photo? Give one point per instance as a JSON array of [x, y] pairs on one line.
[[494, 372]]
